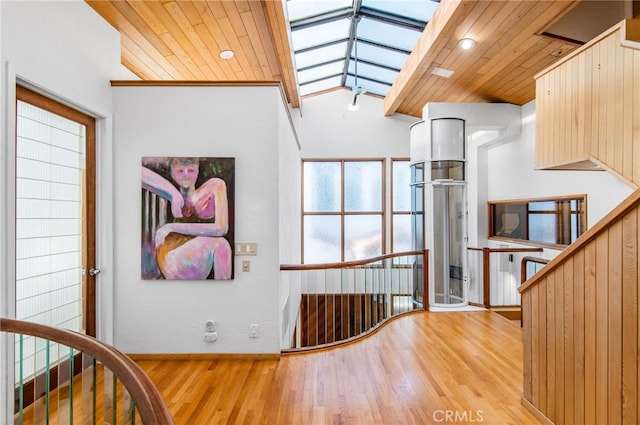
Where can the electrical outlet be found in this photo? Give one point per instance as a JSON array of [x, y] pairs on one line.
[[246, 265], [210, 336], [254, 331]]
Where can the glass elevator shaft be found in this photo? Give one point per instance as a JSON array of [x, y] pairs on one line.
[[439, 206]]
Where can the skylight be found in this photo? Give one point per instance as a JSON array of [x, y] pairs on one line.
[[324, 34]]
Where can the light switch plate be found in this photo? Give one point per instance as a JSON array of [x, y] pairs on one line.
[[246, 248]]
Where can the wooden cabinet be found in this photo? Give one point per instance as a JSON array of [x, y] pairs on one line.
[[588, 106]]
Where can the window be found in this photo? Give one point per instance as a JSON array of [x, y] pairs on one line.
[[551, 222], [400, 205], [325, 39], [343, 213]]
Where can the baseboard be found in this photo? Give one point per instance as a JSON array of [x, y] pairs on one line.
[[535, 412], [204, 356]]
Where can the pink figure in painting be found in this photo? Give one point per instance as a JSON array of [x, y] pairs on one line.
[[190, 246]]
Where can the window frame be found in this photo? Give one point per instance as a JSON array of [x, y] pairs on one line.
[[559, 212], [395, 212], [342, 213]]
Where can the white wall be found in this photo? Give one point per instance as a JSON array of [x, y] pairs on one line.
[[511, 175], [240, 122], [65, 50], [329, 130]]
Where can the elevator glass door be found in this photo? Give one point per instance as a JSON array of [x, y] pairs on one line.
[[448, 243]]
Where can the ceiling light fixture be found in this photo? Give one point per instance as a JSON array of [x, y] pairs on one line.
[[357, 90], [466, 43], [227, 54]]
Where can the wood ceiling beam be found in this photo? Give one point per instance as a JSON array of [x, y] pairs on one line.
[[435, 36], [274, 11]]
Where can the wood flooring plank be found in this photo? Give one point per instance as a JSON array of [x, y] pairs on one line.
[[409, 372]]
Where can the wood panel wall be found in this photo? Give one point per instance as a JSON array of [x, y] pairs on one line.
[[588, 106], [581, 327]]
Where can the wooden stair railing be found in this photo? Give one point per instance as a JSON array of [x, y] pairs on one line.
[[523, 270], [147, 399], [327, 316], [525, 261], [486, 268], [581, 326]]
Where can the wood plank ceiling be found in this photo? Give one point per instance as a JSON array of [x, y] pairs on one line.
[[182, 39]]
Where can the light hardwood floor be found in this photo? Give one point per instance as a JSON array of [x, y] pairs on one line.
[[422, 368]]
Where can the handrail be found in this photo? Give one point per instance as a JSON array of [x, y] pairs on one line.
[[523, 272], [486, 270], [628, 204], [527, 260], [328, 315], [148, 400], [345, 264], [506, 249]]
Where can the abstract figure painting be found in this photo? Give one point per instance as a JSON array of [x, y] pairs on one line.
[[187, 218]]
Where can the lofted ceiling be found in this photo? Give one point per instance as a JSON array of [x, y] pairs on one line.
[[182, 39]]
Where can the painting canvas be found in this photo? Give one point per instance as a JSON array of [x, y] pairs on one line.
[[187, 218]]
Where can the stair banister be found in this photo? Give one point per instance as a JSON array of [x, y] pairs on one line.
[[148, 400]]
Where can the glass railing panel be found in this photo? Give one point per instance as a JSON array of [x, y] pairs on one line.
[[47, 389], [109, 397], [56, 384], [89, 397], [20, 382], [533, 268], [475, 276], [63, 394]]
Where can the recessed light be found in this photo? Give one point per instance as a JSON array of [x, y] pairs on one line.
[[227, 54], [442, 72], [466, 43]]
